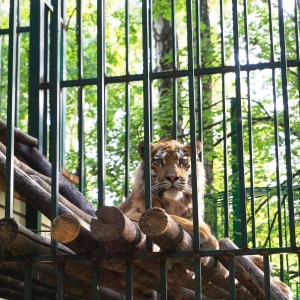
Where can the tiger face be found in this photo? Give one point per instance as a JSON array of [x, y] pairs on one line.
[[170, 169], [171, 176]]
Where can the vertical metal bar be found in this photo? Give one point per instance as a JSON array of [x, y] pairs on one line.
[[147, 107], [192, 115], [287, 139], [296, 22], [60, 295], [198, 279], [147, 100], [127, 101], [11, 92], [242, 223], [80, 96], [163, 279], [35, 98], [55, 106], [129, 280], [17, 93], [101, 98], [192, 110], [250, 131], [224, 125], [199, 78], [276, 135], [174, 67], [267, 277], [95, 280], [28, 281], [63, 106], [46, 79], [232, 278]]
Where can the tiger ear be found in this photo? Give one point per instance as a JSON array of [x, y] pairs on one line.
[[198, 146], [141, 149]]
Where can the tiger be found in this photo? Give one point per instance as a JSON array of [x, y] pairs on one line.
[[171, 187], [171, 190]]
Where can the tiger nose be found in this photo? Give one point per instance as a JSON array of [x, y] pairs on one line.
[[172, 178]]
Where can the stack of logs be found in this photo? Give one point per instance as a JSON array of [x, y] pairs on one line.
[[81, 230]]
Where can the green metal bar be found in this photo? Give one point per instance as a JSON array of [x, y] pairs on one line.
[[60, 295], [267, 277], [177, 74], [147, 101], [129, 280], [17, 76], [174, 67], [101, 98], [11, 92], [236, 204], [35, 99], [198, 279], [232, 278], [11, 89], [147, 116], [81, 163], [224, 127], [276, 143], [19, 29], [163, 279], [192, 115], [28, 281], [55, 91], [95, 280], [127, 101], [250, 130], [240, 134], [199, 96], [287, 139]]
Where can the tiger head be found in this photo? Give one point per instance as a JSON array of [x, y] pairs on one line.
[[171, 176]]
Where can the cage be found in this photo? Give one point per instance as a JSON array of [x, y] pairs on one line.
[[83, 82]]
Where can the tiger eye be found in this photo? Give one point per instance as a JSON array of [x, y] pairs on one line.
[[159, 161], [182, 160]]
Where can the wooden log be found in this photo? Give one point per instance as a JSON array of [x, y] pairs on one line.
[[69, 230], [248, 274], [121, 234], [148, 279], [170, 236], [18, 286], [18, 239], [164, 231], [47, 274], [20, 136], [34, 194], [20, 164], [117, 231], [39, 163], [22, 241], [9, 294], [78, 212]]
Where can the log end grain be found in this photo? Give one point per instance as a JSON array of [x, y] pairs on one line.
[[154, 222], [65, 228], [8, 231]]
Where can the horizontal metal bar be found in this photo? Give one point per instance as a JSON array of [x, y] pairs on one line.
[[19, 30], [173, 74], [153, 255]]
